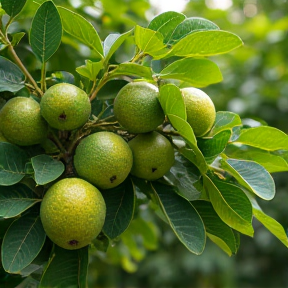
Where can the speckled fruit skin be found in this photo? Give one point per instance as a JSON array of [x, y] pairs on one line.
[[72, 213], [153, 155], [137, 108], [65, 106], [21, 122], [104, 159], [200, 110]]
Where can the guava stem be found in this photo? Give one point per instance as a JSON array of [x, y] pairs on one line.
[[56, 140], [102, 82], [138, 57], [23, 68]]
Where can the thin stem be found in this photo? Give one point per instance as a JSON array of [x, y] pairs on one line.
[[138, 57], [23, 68], [43, 77], [102, 82], [57, 142], [7, 25]]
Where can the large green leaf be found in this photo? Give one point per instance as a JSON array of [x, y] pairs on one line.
[[165, 23], [252, 176], [263, 137], [197, 72], [231, 204], [149, 42], [206, 43], [225, 120], [216, 227], [182, 217], [189, 25], [13, 7], [11, 77], [271, 224], [46, 31], [22, 242], [113, 42], [46, 168], [66, 268], [271, 162], [77, 26], [16, 199], [212, 147], [120, 203], [184, 176], [171, 100], [12, 164], [132, 69]]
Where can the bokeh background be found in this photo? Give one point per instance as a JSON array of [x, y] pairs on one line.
[[255, 86]]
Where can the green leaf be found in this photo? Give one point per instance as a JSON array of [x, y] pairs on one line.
[[46, 31], [66, 268], [196, 72], [263, 137], [12, 164], [206, 43], [90, 70], [215, 227], [77, 26], [11, 77], [182, 217], [225, 120], [120, 205], [131, 69], [252, 176], [189, 25], [113, 42], [192, 153], [231, 204], [13, 7], [22, 242], [171, 100], [149, 42], [183, 128], [184, 176], [16, 199], [62, 77], [46, 168], [271, 224], [271, 162], [212, 147], [165, 23], [16, 38]]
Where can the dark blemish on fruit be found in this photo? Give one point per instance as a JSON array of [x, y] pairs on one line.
[[62, 117], [154, 169], [114, 177], [73, 242]]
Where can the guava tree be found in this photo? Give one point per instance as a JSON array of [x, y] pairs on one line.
[[209, 194]]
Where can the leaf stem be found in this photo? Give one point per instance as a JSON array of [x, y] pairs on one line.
[[23, 68], [43, 77], [102, 82]]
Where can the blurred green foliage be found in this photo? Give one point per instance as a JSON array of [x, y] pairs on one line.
[[255, 86]]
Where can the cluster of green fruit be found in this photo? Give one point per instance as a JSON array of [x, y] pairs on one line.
[[73, 209]]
